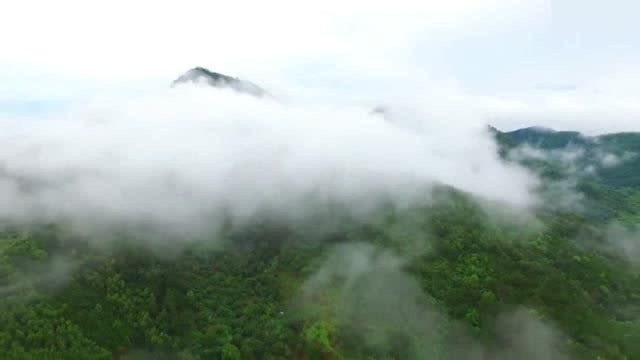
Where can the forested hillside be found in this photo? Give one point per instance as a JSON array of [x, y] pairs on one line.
[[611, 159], [449, 277]]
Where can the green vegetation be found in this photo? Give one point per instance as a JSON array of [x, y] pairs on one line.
[[434, 281]]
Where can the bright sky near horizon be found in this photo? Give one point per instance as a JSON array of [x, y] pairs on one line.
[[564, 64]]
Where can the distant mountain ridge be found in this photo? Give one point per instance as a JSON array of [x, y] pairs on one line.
[[552, 139], [542, 137]]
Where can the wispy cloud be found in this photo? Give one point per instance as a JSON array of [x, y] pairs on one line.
[[175, 156]]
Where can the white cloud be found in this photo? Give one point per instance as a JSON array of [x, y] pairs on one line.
[[150, 38], [175, 156]]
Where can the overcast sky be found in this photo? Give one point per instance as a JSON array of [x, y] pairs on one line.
[[565, 64]]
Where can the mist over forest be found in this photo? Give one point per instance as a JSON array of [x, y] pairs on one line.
[[428, 180]]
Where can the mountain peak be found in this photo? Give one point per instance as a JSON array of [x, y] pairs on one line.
[[201, 75]]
